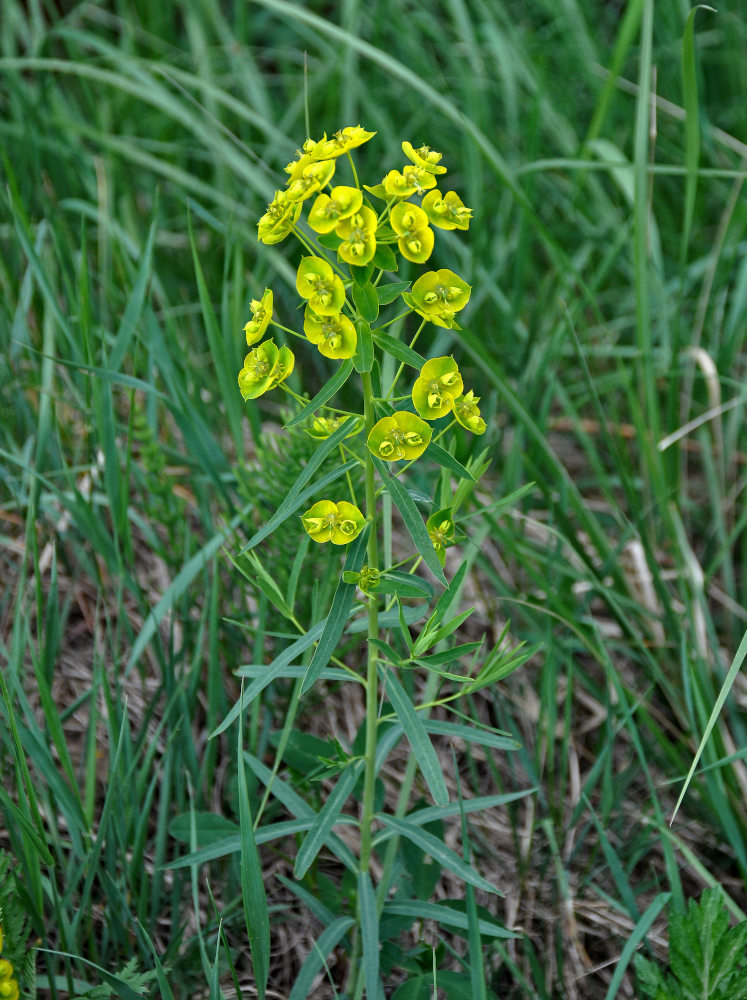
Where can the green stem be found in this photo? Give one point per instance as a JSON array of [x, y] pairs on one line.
[[402, 366], [356, 977], [372, 686]]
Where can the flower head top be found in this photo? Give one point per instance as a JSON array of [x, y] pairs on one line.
[[279, 219], [338, 523], [446, 211], [424, 157], [264, 368], [410, 223], [467, 413], [334, 336], [438, 295], [317, 282], [261, 316], [437, 387], [330, 209], [403, 435]]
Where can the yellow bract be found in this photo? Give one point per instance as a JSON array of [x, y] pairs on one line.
[[338, 523], [261, 315]]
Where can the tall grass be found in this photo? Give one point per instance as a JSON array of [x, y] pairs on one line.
[[606, 334]]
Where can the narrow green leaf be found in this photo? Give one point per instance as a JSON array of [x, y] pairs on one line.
[[339, 613], [271, 673], [327, 391], [450, 655], [438, 851], [253, 894], [403, 584], [292, 500], [317, 957], [640, 930], [447, 460], [366, 301], [444, 915], [369, 935], [364, 353], [397, 349], [429, 637], [472, 734], [692, 124], [734, 669], [262, 580], [326, 819], [300, 808], [179, 584], [134, 305], [418, 739], [388, 293], [412, 521]]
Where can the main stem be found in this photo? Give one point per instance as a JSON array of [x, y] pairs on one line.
[[372, 680]]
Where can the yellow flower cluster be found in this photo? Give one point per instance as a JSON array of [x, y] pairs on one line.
[[8, 985], [342, 298]]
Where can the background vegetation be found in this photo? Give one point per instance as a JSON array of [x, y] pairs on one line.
[[606, 335]]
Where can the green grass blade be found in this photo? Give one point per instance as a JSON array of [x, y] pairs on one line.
[[734, 669], [640, 930], [271, 673], [692, 124], [317, 957]]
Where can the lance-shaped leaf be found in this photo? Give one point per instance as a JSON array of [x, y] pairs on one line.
[[418, 739], [338, 614], [412, 521], [326, 819], [439, 852]]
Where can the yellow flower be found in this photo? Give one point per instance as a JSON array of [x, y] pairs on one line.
[[438, 295], [329, 209], [467, 413], [341, 142], [424, 157], [265, 368], [261, 316], [338, 523], [279, 219], [437, 387], [317, 282], [410, 223], [403, 435], [446, 211], [358, 234], [313, 178], [334, 336]]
